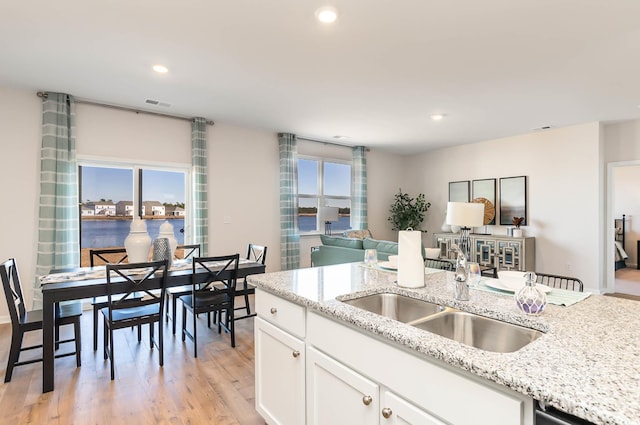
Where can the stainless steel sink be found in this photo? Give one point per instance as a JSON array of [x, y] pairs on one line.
[[396, 307], [478, 331]]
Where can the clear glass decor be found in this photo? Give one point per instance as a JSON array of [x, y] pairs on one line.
[[529, 298]]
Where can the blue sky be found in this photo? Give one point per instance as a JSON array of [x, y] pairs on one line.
[[117, 184]]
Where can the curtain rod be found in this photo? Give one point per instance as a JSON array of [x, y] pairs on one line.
[[124, 108], [331, 143]]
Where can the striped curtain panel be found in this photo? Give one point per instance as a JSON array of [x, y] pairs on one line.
[[58, 232], [289, 235], [199, 176], [359, 213]]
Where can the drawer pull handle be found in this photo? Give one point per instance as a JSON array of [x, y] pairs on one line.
[[274, 310], [386, 412], [296, 354], [367, 400]]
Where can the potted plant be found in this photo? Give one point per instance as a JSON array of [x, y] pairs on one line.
[[517, 222], [407, 212]]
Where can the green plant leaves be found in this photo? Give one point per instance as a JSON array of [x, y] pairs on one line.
[[407, 212]]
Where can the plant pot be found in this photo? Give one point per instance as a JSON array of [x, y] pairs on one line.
[[517, 233]]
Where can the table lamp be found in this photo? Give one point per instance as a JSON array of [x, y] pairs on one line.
[[466, 215], [328, 214]]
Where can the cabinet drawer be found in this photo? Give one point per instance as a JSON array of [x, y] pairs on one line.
[[280, 312]]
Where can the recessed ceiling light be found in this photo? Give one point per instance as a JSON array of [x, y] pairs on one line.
[[327, 14], [160, 69], [340, 137], [437, 117]]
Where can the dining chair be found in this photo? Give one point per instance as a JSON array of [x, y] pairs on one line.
[[439, 264], [187, 251], [125, 309], [205, 297], [256, 254], [561, 282], [99, 257], [23, 321]]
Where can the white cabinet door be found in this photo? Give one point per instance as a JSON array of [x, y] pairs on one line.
[[280, 375], [396, 411], [337, 395]]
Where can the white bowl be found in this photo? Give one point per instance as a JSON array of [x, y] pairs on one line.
[[432, 253]]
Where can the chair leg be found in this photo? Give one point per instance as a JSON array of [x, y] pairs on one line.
[[184, 322], [96, 311], [166, 302], [111, 354], [174, 301], [14, 353], [208, 319], [56, 337], [105, 342], [161, 342], [231, 325], [78, 340], [151, 335], [139, 333], [195, 333], [246, 298]]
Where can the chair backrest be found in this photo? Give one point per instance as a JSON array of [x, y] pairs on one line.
[[257, 253], [222, 269], [101, 256], [186, 251], [12, 290], [561, 282], [133, 279], [439, 264]]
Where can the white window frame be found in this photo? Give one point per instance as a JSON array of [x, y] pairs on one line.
[[136, 166], [321, 196]]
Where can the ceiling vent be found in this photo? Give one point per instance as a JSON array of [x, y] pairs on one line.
[[157, 103]]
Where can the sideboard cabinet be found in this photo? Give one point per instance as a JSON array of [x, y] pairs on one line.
[[502, 252]]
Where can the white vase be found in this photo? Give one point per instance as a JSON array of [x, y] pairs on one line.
[[445, 227], [517, 233], [166, 231], [138, 242]]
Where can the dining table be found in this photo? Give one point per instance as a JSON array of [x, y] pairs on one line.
[[89, 282]]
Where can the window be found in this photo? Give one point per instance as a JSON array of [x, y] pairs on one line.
[[323, 183], [112, 194]]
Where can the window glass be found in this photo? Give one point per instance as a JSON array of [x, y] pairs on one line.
[[308, 176], [334, 191], [110, 199]]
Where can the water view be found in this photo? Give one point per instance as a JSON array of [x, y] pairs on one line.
[[108, 233]]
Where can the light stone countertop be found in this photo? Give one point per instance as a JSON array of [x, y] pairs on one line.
[[587, 363]]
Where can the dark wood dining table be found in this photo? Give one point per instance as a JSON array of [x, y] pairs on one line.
[[53, 293]]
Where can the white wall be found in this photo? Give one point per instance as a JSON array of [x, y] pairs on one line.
[[564, 209], [20, 139]]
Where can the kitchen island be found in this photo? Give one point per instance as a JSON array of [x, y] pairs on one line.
[[587, 362]]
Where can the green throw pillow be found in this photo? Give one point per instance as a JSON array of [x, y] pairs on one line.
[[342, 242], [387, 247]]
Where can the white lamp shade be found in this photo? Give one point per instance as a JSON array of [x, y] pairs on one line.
[[328, 213], [465, 214]]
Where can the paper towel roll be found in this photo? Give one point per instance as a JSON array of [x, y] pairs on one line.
[[410, 261]]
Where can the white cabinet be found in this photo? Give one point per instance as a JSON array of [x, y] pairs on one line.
[[337, 394], [396, 411], [280, 360], [314, 370]]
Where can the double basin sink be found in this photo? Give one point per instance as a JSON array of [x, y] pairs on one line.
[[468, 328]]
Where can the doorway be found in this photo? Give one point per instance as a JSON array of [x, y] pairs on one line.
[[623, 199]]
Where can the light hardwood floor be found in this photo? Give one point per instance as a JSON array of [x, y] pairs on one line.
[[215, 388]]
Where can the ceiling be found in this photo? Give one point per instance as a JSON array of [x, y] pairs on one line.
[[495, 68]]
